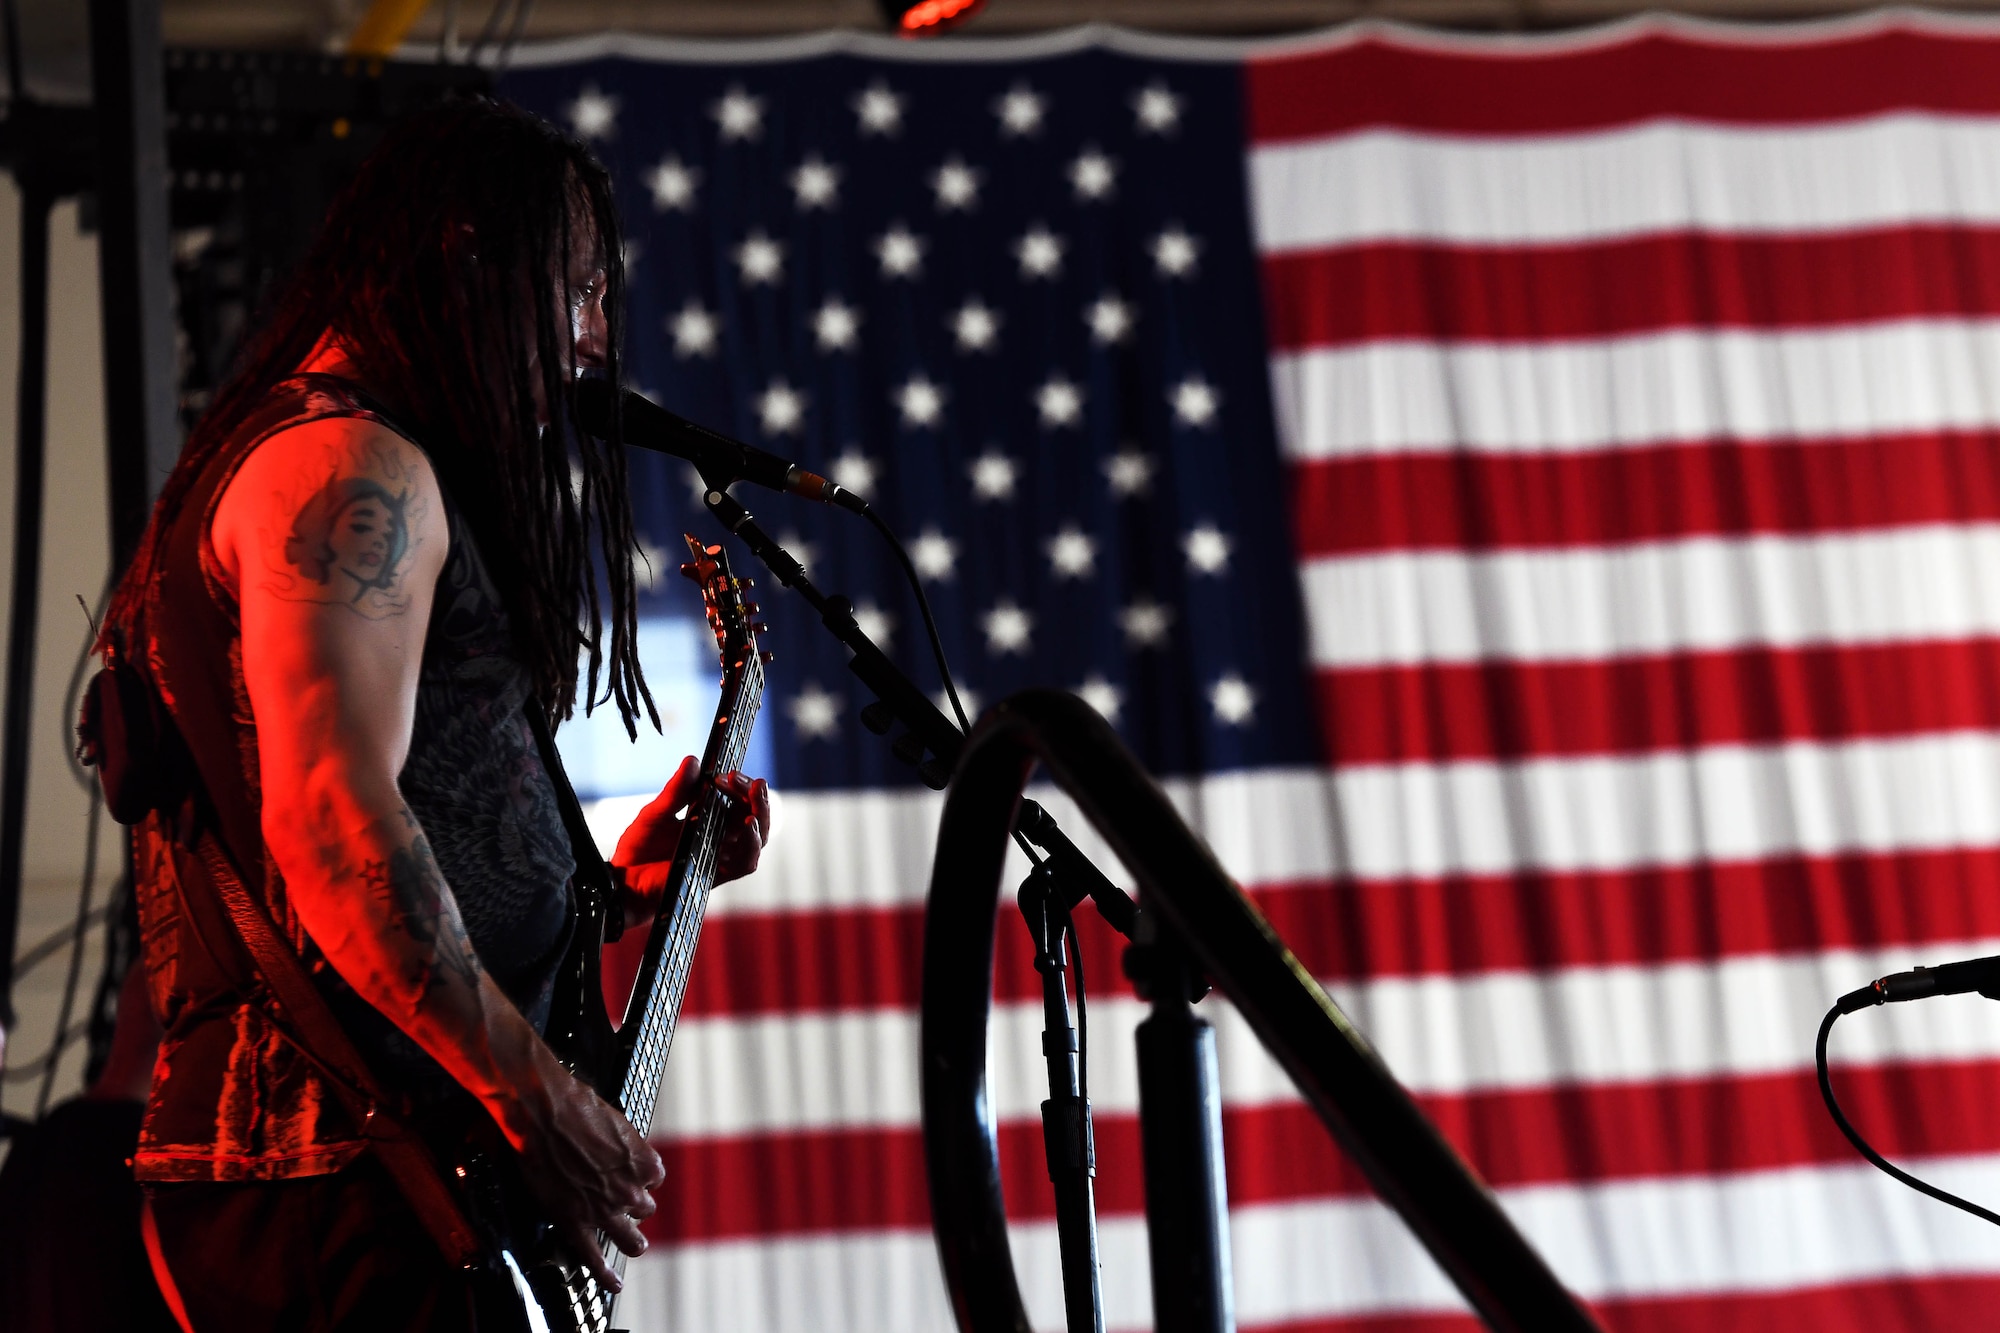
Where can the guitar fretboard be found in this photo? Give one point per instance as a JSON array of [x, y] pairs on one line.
[[659, 1009]]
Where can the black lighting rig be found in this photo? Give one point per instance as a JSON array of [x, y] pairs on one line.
[[258, 144], [205, 174]]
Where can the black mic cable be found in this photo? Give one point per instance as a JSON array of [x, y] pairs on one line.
[[721, 461], [1980, 975]]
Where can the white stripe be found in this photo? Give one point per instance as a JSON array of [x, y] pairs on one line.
[[1439, 1034], [848, 849], [1751, 1233], [1389, 397], [1689, 595], [1622, 812], [1663, 175], [1927, 792]]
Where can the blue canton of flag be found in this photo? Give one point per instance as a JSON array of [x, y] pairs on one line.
[[1019, 313]]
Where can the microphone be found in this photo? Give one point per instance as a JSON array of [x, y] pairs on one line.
[[719, 459], [1974, 974]]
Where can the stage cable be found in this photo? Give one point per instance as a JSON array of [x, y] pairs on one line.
[[937, 646], [1867, 1150]]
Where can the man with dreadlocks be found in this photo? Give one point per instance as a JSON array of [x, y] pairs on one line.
[[364, 593]]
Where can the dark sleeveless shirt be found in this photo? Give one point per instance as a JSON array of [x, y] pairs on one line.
[[231, 1098]]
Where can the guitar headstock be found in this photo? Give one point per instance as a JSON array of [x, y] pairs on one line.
[[729, 614]]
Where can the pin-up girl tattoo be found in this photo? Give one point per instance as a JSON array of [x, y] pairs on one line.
[[350, 542]]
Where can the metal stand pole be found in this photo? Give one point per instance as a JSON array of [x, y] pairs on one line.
[[29, 470], [1180, 1123], [1066, 1136]]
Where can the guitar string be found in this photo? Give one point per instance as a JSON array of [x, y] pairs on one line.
[[659, 1018], [651, 1060], [665, 1000]]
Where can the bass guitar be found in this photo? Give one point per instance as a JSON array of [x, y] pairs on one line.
[[628, 1066]]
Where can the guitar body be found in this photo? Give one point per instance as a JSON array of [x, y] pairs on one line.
[[627, 1065]]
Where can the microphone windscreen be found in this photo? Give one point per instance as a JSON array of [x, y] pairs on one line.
[[593, 406]]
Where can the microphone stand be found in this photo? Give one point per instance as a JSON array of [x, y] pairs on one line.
[[931, 742], [1066, 1138]]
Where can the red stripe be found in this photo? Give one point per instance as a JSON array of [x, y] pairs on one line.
[[1908, 1305], [1514, 710], [1320, 298], [1494, 92], [1480, 501], [1460, 925], [855, 1180], [1541, 921]]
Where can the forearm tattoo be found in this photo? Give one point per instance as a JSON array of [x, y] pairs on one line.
[[350, 538], [412, 889]]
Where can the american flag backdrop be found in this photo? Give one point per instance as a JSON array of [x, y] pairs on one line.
[[1537, 505]]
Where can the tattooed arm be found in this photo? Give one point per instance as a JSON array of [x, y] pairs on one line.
[[332, 535]]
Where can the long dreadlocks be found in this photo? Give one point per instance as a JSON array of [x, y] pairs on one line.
[[450, 244]]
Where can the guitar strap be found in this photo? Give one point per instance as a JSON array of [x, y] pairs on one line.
[[302, 1012], [593, 874]]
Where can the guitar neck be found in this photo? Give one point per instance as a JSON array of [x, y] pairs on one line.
[[648, 1030]]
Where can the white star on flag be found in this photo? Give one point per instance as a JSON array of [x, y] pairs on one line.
[[1194, 401], [801, 550], [816, 184], [649, 566], [780, 408], [877, 110], [993, 476], [815, 713], [1072, 554], [1040, 252], [920, 401], [761, 259], [1233, 700], [956, 186], [1020, 110], [693, 329], [876, 623], [1207, 548], [673, 184], [1156, 110], [975, 325], [1059, 402], [1145, 623], [935, 555], [594, 114], [1175, 252], [1129, 472], [835, 325], [854, 470], [738, 115], [900, 251], [1103, 696], [969, 699], [1109, 318], [1008, 629], [1092, 175]]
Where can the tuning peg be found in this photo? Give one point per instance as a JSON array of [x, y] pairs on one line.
[[759, 627], [877, 717], [767, 657], [746, 582], [750, 608], [907, 747], [935, 775], [690, 570]]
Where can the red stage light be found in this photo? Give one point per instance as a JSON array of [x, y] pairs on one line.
[[928, 16]]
